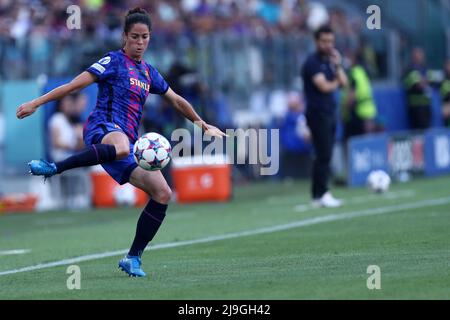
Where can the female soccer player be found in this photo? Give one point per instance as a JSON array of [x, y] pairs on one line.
[[124, 82]]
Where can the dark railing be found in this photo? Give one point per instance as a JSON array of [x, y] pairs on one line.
[[224, 60]]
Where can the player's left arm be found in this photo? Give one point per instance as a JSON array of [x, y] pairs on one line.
[[186, 109]]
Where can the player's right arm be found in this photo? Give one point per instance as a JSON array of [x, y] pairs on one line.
[[81, 81]]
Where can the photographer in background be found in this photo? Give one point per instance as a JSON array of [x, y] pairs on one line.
[[358, 109], [70, 189], [445, 95], [418, 91]]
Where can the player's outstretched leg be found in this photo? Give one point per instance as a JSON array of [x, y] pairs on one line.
[[89, 156], [150, 220]]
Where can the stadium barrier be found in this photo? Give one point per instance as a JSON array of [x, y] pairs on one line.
[[201, 178], [107, 193], [18, 202], [400, 154]]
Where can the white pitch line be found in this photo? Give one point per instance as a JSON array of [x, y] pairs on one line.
[[281, 227], [16, 251]]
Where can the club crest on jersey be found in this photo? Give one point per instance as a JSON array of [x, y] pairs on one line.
[[105, 60], [140, 84]]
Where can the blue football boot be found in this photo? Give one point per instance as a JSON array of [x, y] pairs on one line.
[[42, 168], [132, 266]]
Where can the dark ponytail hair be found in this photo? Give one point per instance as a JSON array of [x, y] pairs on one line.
[[137, 15]]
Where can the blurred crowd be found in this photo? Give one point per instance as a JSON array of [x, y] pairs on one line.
[[27, 27], [104, 17]]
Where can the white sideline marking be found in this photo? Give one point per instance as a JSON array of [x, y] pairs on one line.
[[17, 251], [281, 227]]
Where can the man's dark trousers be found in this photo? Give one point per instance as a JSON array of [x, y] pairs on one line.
[[323, 129]]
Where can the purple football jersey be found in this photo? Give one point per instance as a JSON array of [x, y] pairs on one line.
[[123, 87]]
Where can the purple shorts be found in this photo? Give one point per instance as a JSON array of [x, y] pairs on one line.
[[119, 170]]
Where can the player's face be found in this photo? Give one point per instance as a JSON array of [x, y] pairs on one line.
[[325, 43], [136, 40]]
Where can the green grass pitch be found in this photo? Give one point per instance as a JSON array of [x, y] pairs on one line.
[[266, 243]]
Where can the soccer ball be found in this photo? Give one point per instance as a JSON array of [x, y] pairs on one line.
[[378, 181], [152, 151]]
